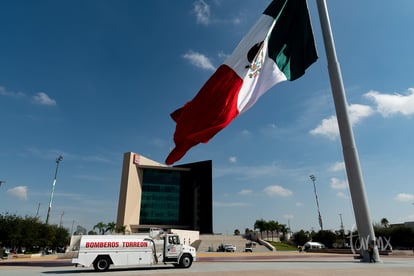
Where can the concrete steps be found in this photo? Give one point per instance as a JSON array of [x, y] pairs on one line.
[[210, 243]]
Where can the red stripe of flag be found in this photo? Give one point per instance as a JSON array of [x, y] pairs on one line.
[[197, 125]]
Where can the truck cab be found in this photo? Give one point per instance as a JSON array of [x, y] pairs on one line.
[[173, 251]]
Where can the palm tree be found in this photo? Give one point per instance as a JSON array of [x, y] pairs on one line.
[[261, 225], [120, 229], [273, 227], [247, 231], [385, 222], [284, 229], [111, 226], [101, 227], [267, 228]]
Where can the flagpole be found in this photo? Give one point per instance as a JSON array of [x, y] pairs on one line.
[[353, 170]]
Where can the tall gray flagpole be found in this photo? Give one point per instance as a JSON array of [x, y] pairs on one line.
[[353, 170]]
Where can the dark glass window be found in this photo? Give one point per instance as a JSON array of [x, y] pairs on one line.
[[160, 201]]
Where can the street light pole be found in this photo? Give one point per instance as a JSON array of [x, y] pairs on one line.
[[60, 158], [342, 230], [342, 223], [313, 178]]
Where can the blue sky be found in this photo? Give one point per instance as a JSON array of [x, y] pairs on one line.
[[90, 80]]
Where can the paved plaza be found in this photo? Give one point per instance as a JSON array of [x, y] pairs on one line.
[[228, 264]]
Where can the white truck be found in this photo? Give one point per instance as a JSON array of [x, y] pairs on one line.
[[102, 251]]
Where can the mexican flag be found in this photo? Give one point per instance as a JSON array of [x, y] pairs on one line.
[[279, 47]]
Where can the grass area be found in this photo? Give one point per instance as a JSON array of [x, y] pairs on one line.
[[281, 246]]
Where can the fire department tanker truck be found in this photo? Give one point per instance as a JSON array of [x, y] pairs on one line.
[[102, 251]]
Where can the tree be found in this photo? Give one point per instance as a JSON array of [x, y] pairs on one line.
[[61, 238], [402, 237], [120, 229], [236, 232], [284, 230], [273, 226], [325, 237], [261, 225], [300, 237], [101, 227], [385, 222], [29, 234], [247, 231], [47, 234], [111, 227]]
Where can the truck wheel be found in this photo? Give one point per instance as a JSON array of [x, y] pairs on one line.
[[186, 261], [101, 263]]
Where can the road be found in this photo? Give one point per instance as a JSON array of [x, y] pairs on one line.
[[227, 264]]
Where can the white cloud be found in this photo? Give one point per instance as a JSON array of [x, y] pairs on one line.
[[235, 21], [390, 104], [288, 216], [273, 130], [298, 204], [5, 92], [337, 167], [277, 190], [246, 133], [404, 197], [255, 172], [199, 60], [245, 192], [341, 195], [329, 127], [40, 98], [222, 55], [250, 172], [233, 159], [158, 142], [20, 192], [202, 12], [43, 99], [357, 112], [229, 204], [338, 184]]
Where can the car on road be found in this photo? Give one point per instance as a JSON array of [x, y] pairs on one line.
[[249, 247], [226, 248], [312, 245]]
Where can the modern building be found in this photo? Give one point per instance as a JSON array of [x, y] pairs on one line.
[[155, 195]]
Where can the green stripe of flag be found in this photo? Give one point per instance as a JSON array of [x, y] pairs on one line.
[[291, 42]]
